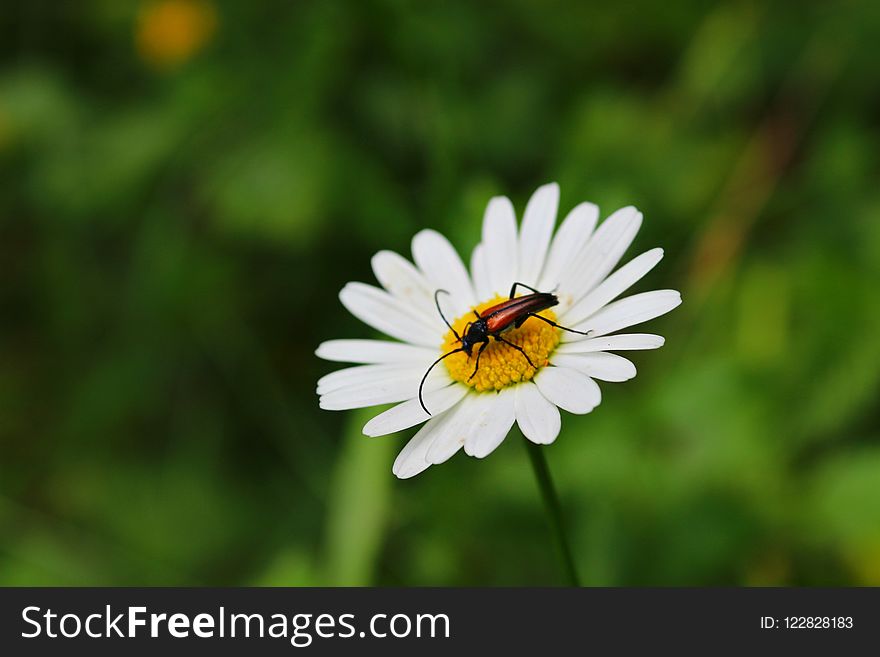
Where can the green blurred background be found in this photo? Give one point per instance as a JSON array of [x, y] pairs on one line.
[[185, 186]]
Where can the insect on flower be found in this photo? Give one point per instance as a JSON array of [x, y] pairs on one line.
[[466, 358], [494, 321]]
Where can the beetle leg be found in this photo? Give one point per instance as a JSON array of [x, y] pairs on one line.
[[552, 323], [477, 314], [479, 353], [517, 347], [518, 284]]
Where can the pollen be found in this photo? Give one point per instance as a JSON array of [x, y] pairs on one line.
[[501, 365]]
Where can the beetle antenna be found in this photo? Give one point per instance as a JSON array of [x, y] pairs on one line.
[[445, 321], [422, 384]]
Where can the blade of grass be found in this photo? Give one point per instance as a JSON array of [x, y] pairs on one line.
[[359, 502]]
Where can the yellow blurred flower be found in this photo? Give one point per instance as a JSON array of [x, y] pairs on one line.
[[170, 32]]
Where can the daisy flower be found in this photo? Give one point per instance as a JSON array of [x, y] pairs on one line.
[[526, 379]]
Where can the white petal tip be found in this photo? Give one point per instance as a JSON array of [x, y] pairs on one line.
[[498, 206], [586, 210], [337, 405], [475, 451], [409, 472], [423, 238], [422, 234], [370, 432], [378, 256], [345, 293]]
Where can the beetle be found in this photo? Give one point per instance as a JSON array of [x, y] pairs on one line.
[[494, 321]]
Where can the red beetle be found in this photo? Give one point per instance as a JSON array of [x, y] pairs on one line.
[[493, 322]]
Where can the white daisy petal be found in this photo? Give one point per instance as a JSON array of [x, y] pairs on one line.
[[571, 237], [492, 427], [460, 421], [411, 460], [443, 269], [628, 311], [500, 244], [535, 232], [600, 365], [410, 413], [568, 389], [537, 418], [602, 253], [373, 351], [381, 391], [356, 376], [401, 278], [613, 286], [384, 313], [622, 342], [480, 273]]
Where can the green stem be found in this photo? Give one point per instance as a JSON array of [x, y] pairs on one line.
[[551, 505]]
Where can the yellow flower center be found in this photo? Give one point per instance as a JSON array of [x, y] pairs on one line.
[[501, 365]]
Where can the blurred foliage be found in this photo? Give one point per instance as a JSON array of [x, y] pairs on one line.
[[186, 185]]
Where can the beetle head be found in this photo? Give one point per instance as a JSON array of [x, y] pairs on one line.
[[475, 333]]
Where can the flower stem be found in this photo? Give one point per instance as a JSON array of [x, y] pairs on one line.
[[551, 505]]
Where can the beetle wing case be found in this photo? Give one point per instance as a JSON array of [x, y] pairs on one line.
[[505, 314]]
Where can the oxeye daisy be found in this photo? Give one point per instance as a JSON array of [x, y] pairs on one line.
[[526, 331]]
